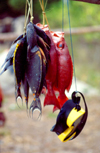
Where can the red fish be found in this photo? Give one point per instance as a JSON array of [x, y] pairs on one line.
[[64, 67], [60, 69], [51, 75]]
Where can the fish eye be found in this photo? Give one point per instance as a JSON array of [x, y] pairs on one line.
[[60, 45]]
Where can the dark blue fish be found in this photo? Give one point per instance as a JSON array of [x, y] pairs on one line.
[[9, 58], [19, 64], [34, 66]]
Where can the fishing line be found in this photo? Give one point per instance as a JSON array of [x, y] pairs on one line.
[[71, 44], [62, 15], [28, 11]]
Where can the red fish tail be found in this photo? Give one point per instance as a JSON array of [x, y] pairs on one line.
[[62, 100], [51, 99], [55, 108]]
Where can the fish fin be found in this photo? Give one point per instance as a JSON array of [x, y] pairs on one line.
[[18, 38], [42, 44], [55, 108], [51, 99], [36, 104], [3, 64], [8, 64], [61, 101], [18, 92], [42, 34], [44, 90], [18, 100]]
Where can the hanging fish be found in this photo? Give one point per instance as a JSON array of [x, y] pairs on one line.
[[51, 75], [65, 68], [60, 70], [34, 66], [19, 64], [38, 45], [71, 118], [29, 55], [50, 98]]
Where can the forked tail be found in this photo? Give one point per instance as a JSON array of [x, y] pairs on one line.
[[61, 101], [51, 99], [36, 104]]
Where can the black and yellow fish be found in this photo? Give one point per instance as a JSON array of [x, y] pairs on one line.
[[71, 119]]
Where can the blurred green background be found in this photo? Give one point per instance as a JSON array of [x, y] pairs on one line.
[[86, 47]]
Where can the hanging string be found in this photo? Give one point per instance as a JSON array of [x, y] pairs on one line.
[[62, 15], [71, 44], [43, 11], [28, 11], [25, 23], [31, 19]]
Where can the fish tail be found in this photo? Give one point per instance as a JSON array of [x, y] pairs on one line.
[[62, 100], [3, 64], [26, 101], [55, 108], [2, 72], [18, 93], [18, 98], [51, 99], [36, 104]]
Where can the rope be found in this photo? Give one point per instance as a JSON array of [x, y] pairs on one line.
[[31, 19], [28, 11], [43, 11], [71, 45]]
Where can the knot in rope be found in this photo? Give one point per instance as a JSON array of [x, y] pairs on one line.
[[31, 19], [43, 13]]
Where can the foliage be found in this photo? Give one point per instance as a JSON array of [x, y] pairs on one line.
[[81, 14], [17, 5], [84, 14]]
